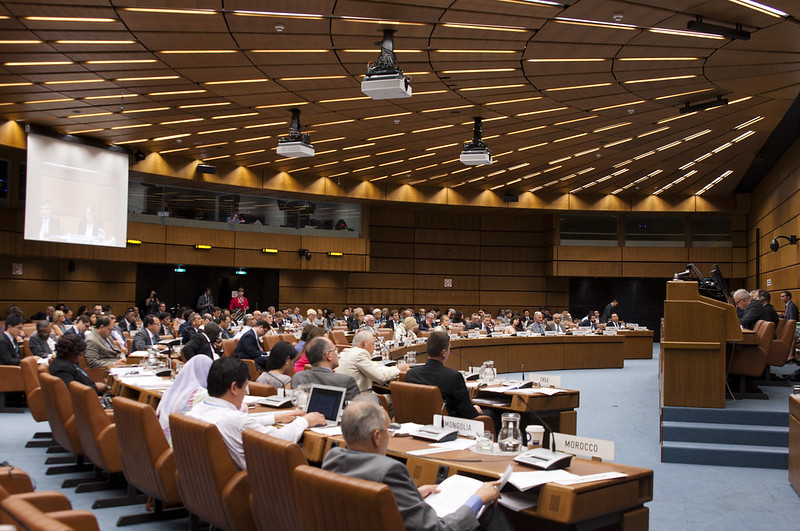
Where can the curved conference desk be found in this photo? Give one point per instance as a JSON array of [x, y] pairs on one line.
[[542, 353]]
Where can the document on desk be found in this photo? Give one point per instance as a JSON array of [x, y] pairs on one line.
[[407, 428], [453, 493], [528, 480], [250, 400], [549, 391], [145, 381], [450, 446], [591, 477], [329, 430]]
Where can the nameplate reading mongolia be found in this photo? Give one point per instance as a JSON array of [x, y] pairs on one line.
[[545, 380], [465, 427], [584, 446]]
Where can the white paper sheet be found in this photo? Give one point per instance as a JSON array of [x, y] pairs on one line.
[[528, 480], [328, 430], [453, 493], [591, 477]]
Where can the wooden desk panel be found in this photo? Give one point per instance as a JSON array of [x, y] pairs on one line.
[[794, 442], [593, 352], [545, 354], [638, 344]]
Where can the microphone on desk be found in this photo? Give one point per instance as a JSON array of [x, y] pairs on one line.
[[523, 371]]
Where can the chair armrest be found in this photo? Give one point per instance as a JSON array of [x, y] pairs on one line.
[[83, 520], [47, 501]]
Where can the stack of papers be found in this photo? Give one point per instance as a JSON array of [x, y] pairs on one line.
[[449, 446]]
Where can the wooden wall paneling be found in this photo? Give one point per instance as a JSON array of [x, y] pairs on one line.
[[32, 268], [389, 217], [515, 299], [390, 297], [512, 238], [182, 254], [146, 252], [434, 282], [262, 240], [312, 297], [513, 283], [392, 249], [255, 258], [588, 269], [323, 244], [447, 267], [20, 289], [447, 252], [323, 262], [655, 254], [375, 280], [594, 254], [652, 270], [447, 236], [147, 232], [391, 234], [557, 300], [190, 236], [92, 291], [398, 266], [442, 298], [98, 272], [513, 254], [300, 279]]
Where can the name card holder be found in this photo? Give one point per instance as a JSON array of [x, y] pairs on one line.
[[632, 325], [465, 427], [523, 333], [580, 332], [544, 380], [473, 334], [453, 337], [550, 333], [585, 446], [496, 334], [609, 332]]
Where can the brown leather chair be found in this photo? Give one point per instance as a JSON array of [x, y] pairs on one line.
[[289, 338], [252, 367], [33, 394], [60, 415], [147, 460], [10, 382], [779, 348], [419, 403], [779, 327], [339, 339], [210, 486], [415, 402], [333, 502], [270, 340], [386, 334], [14, 481], [261, 389], [24, 513], [270, 465], [228, 346], [98, 435], [751, 360]]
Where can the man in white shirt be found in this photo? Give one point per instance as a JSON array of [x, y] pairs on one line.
[[248, 321], [227, 387], [356, 361]]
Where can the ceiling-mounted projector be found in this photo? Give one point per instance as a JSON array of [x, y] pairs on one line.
[[384, 80], [296, 144], [476, 152]]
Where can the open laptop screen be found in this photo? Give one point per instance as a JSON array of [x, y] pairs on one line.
[[327, 400]]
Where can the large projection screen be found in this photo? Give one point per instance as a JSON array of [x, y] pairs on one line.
[[75, 193]]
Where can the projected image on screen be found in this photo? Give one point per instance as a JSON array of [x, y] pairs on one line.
[[75, 193]]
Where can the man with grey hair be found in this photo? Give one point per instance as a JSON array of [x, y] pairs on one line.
[[324, 358], [752, 309], [369, 325], [356, 361], [365, 427], [538, 325], [247, 324], [38, 342]]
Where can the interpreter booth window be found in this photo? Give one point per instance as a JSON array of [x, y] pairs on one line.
[[654, 231], [712, 231], [588, 230], [190, 207]]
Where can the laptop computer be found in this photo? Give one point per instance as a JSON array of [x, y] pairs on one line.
[[327, 400]]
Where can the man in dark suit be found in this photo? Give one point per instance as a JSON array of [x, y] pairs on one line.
[[190, 327], [769, 310], [609, 309], [148, 335], [752, 309], [474, 323], [614, 322], [203, 343], [9, 350], [128, 322], [205, 302], [790, 312], [324, 358], [249, 345], [365, 427], [556, 325], [450, 382], [82, 324]]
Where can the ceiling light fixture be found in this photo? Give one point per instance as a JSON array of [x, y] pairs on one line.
[[713, 29]]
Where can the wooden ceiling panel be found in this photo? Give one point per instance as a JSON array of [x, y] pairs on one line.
[[172, 22]]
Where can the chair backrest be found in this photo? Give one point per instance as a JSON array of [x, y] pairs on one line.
[[210, 486], [228, 346], [271, 340], [289, 338], [779, 327], [415, 402], [338, 337], [386, 334], [26, 347], [270, 465], [33, 389], [333, 502], [251, 366], [147, 458], [60, 415], [97, 433], [765, 334], [779, 348], [261, 389], [27, 516], [11, 379]]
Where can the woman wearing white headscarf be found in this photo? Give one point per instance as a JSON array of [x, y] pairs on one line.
[[188, 389]]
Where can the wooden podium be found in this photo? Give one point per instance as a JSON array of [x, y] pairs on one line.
[[696, 331]]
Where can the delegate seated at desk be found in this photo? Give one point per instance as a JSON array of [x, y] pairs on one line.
[[227, 387], [365, 427], [753, 308], [324, 358], [356, 361], [450, 383]]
